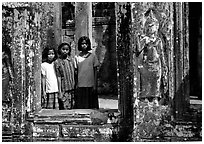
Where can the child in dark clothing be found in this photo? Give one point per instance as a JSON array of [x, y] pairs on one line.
[[87, 63]]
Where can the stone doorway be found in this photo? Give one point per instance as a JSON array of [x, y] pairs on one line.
[[103, 36], [195, 49]]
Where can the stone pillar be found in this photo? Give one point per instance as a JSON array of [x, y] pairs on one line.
[[145, 112], [7, 31], [19, 89], [124, 53], [83, 21], [181, 59], [58, 23]]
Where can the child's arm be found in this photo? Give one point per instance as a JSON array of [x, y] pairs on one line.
[[58, 74], [75, 72], [95, 78], [75, 78], [59, 86], [95, 66]]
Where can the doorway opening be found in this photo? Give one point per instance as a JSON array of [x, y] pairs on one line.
[[195, 49], [103, 45]]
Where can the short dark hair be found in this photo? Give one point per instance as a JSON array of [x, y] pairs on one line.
[[45, 53], [63, 44], [87, 41]]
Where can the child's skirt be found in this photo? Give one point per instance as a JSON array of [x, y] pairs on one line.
[[86, 98], [67, 101], [52, 101]]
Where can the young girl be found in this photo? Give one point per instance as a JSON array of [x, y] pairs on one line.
[[65, 69], [87, 79], [49, 79]]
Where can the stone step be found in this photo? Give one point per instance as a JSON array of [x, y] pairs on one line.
[[65, 139], [63, 132], [73, 125], [6, 138]]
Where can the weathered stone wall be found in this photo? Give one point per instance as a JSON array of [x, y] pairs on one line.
[[148, 115], [29, 23], [7, 29], [150, 118]]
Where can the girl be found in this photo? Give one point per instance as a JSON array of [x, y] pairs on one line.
[[65, 69], [49, 79], [87, 67]]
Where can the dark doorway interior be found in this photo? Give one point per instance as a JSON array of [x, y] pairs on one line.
[[195, 50]]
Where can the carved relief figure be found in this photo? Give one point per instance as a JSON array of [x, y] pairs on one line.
[[7, 73], [152, 65]]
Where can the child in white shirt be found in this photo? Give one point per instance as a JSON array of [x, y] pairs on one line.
[[49, 79]]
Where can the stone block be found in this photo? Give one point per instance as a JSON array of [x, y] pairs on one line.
[[46, 131], [89, 132]]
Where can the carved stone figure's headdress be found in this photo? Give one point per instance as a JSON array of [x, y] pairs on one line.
[[151, 19]]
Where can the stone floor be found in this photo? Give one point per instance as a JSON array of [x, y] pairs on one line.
[[108, 102], [111, 102]]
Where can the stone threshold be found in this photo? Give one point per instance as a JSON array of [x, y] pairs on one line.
[[75, 116]]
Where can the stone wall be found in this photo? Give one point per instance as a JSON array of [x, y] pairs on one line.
[[29, 23]]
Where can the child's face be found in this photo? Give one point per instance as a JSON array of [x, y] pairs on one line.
[[84, 45], [51, 55], [65, 50]]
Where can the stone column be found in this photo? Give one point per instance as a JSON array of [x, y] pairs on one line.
[[83, 21], [145, 112], [181, 60], [124, 53], [19, 88], [58, 23]]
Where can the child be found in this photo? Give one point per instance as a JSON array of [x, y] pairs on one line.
[[65, 69], [87, 79], [49, 79]]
